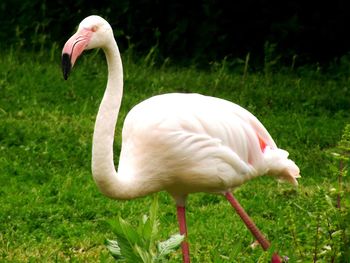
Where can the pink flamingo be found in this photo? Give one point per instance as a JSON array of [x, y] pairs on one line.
[[180, 143]]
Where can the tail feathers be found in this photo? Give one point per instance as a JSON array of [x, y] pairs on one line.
[[280, 166]]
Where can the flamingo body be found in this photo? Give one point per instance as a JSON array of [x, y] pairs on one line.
[[185, 143]]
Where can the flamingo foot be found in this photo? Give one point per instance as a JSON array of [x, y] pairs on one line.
[[276, 258]]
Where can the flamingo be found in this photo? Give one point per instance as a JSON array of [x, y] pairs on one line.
[[178, 143]]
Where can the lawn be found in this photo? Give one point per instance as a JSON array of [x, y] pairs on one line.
[[51, 210]]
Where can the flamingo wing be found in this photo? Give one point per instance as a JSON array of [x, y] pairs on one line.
[[191, 143]]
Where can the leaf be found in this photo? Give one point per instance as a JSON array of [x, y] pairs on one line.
[[144, 255], [146, 231], [329, 201], [142, 225], [138, 245], [337, 233], [129, 232], [153, 219], [168, 246], [114, 249], [128, 250], [126, 239], [144, 219], [153, 209], [149, 229]]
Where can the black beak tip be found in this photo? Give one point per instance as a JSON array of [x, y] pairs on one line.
[[66, 65]]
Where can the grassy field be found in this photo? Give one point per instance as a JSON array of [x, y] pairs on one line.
[[51, 210]]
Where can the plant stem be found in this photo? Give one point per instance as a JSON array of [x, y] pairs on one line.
[[316, 239], [340, 183], [296, 241], [332, 241], [246, 63]]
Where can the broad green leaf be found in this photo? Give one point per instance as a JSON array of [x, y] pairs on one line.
[[154, 209], [129, 232], [126, 239], [115, 225], [144, 255], [153, 219], [147, 232]]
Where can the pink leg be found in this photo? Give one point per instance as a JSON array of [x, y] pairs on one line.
[[181, 217], [251, 226], [248, 221]]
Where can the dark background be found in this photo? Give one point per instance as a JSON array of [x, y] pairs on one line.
[[202, 31]]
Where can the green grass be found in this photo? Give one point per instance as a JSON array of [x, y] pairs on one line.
[[51, 210]]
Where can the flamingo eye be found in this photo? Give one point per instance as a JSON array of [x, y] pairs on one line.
[[94, 28]]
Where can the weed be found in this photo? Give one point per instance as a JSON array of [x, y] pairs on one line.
[[139, 244]]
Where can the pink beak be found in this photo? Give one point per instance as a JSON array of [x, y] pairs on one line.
[[73, 49]]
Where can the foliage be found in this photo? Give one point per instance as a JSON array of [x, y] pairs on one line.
[[340, 156], [203, 30], [344, 144], [140, 245], [51, 210], [341, 160]]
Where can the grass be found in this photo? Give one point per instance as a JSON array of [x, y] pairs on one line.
[[51, 210]]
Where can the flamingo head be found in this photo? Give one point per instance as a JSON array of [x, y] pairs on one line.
[[93, 32]]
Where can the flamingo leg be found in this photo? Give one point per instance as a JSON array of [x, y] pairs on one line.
[[248, 221], [181, 217], [251, 226]]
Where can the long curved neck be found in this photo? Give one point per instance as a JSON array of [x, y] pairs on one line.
[[103, 169]]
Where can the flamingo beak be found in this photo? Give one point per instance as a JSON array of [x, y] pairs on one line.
[[73, 49]]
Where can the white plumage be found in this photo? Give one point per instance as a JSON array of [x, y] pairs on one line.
[[186, 143]]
